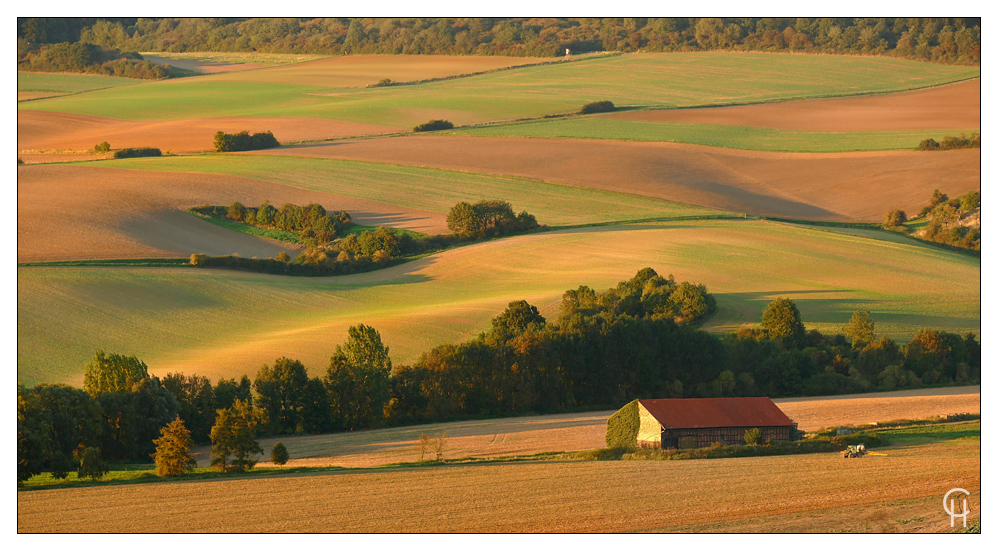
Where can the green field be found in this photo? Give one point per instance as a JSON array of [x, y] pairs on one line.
[[429, 189], [64, 83], [736, 137], [636, 80], [216, 322]]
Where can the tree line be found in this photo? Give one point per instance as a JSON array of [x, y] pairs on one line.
[[636, 340], [244, 141], [79, 57], [951, 40]]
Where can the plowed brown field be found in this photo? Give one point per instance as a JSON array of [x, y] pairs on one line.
[[39, 130], [585, 496], [82, 212], [954, 106], [584, 431], [858, 186]]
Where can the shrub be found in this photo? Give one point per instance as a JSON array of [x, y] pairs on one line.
[[895, 218], [752, 436], [102, 147], [130, 152], [20, 161], [928, 144], [91, 465], [622, 427], [279, 455], [597, 107], [435, 124]]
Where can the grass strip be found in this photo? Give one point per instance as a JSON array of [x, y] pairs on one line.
[[120, 262]]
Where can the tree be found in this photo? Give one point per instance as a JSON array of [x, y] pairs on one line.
[[860, 329], [463, 220], [196, 400], [516, 319], [358, 379], [894, 218], [234, 435], [752, 436], [279, 455], [281, 391], [112, 373], [102, 147], [781, 320], [34, 442], [91, 464], [173, 450], [133, 419]]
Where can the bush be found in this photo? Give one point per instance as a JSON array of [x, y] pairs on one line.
[[102, 147], [279, 455], [895, 218], [928, 144], [622, 428], [435, 124], [752, 436], [130, 152], [597, 107]]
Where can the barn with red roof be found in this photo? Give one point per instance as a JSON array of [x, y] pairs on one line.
[[699, 422]]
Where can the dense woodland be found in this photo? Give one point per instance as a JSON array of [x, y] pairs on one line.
[[635, 340], [951, 40]]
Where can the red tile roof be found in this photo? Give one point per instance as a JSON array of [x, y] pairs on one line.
[[716, 412]]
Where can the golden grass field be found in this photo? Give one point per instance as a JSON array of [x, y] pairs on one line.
[[858, 186], [873, 494], [950, 106], [566, 432], [224, 323]]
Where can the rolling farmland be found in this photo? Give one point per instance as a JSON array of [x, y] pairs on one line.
[[680, 180], [216, 324]]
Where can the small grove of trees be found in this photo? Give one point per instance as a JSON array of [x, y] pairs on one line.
[[954, 222], [597, 107], [951, 142], [436, 124], [315, 225], [102, 147], [488, 218], [244, 141]]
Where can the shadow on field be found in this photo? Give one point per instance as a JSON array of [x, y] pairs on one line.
[[393, 219]]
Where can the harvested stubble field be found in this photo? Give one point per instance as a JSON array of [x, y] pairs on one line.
[[591, 496], [222, 323], [849, 187], [950, 106], [90, 212], [493, 438], [316, 89], [38, 130]]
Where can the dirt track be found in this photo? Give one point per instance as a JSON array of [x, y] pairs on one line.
[[81, 212], [819, 186], [954, 106], [38, 130]]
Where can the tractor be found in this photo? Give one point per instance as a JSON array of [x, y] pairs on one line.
[[858, 450]]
